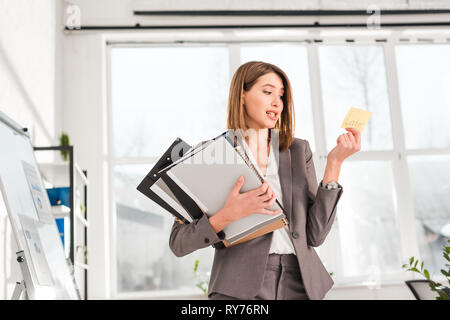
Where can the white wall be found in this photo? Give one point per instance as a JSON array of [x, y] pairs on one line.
[[83, 119], [30, 78], [27, 64]]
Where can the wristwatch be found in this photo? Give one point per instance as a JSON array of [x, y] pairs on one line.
[[330, 186]]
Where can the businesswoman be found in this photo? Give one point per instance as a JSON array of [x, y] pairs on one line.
[[281, 264]]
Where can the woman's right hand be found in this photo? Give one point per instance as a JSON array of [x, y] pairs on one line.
[[239, 205]]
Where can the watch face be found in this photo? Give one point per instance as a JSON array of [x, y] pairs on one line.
[[332, 185]]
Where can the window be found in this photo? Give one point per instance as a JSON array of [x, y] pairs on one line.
[[153, 87], [158, 94], [424, 85], [354, 76], [424, 79], [368, 229], [430, 176]]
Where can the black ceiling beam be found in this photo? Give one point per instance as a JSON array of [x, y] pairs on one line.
[[266, 13], [315, 25]]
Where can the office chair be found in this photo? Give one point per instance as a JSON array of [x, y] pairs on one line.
[[421, 290]]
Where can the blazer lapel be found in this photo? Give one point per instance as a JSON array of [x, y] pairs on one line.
[[284, 171]]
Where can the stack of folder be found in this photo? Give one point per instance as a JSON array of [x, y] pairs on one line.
[[189, 182]]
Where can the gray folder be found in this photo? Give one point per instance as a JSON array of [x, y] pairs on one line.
[[208, 177], [164, 192]]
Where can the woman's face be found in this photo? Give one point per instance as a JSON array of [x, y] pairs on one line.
[[263, 102]]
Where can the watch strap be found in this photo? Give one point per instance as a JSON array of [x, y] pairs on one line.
[[330, 186]]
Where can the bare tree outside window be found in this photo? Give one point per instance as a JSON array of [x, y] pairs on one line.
[[354, 76]]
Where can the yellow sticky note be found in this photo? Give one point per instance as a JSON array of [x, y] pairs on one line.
[[357, 119]]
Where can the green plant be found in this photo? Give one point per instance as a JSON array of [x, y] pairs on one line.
[[435, 286], [202, 283], [64, 141]]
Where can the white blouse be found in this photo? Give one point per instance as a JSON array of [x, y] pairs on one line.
[[281, 242]]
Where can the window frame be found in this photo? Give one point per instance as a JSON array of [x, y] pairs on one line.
[[403, 197]]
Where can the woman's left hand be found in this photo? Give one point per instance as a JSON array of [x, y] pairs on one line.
[[347, 144]]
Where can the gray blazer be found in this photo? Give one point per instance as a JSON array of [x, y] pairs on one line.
[[238, 271]]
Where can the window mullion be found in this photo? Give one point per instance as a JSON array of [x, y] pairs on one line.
[[332, 251], [317, 103], [109, 185], [404, 198]]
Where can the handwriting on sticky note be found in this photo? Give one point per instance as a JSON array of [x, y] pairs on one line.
[[357, 119]]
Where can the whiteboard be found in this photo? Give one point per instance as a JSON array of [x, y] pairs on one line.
[[29, 212]]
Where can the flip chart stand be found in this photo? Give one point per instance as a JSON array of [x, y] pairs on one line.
[[21, 286]]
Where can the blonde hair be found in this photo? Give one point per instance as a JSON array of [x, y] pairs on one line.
[[243, 79]]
